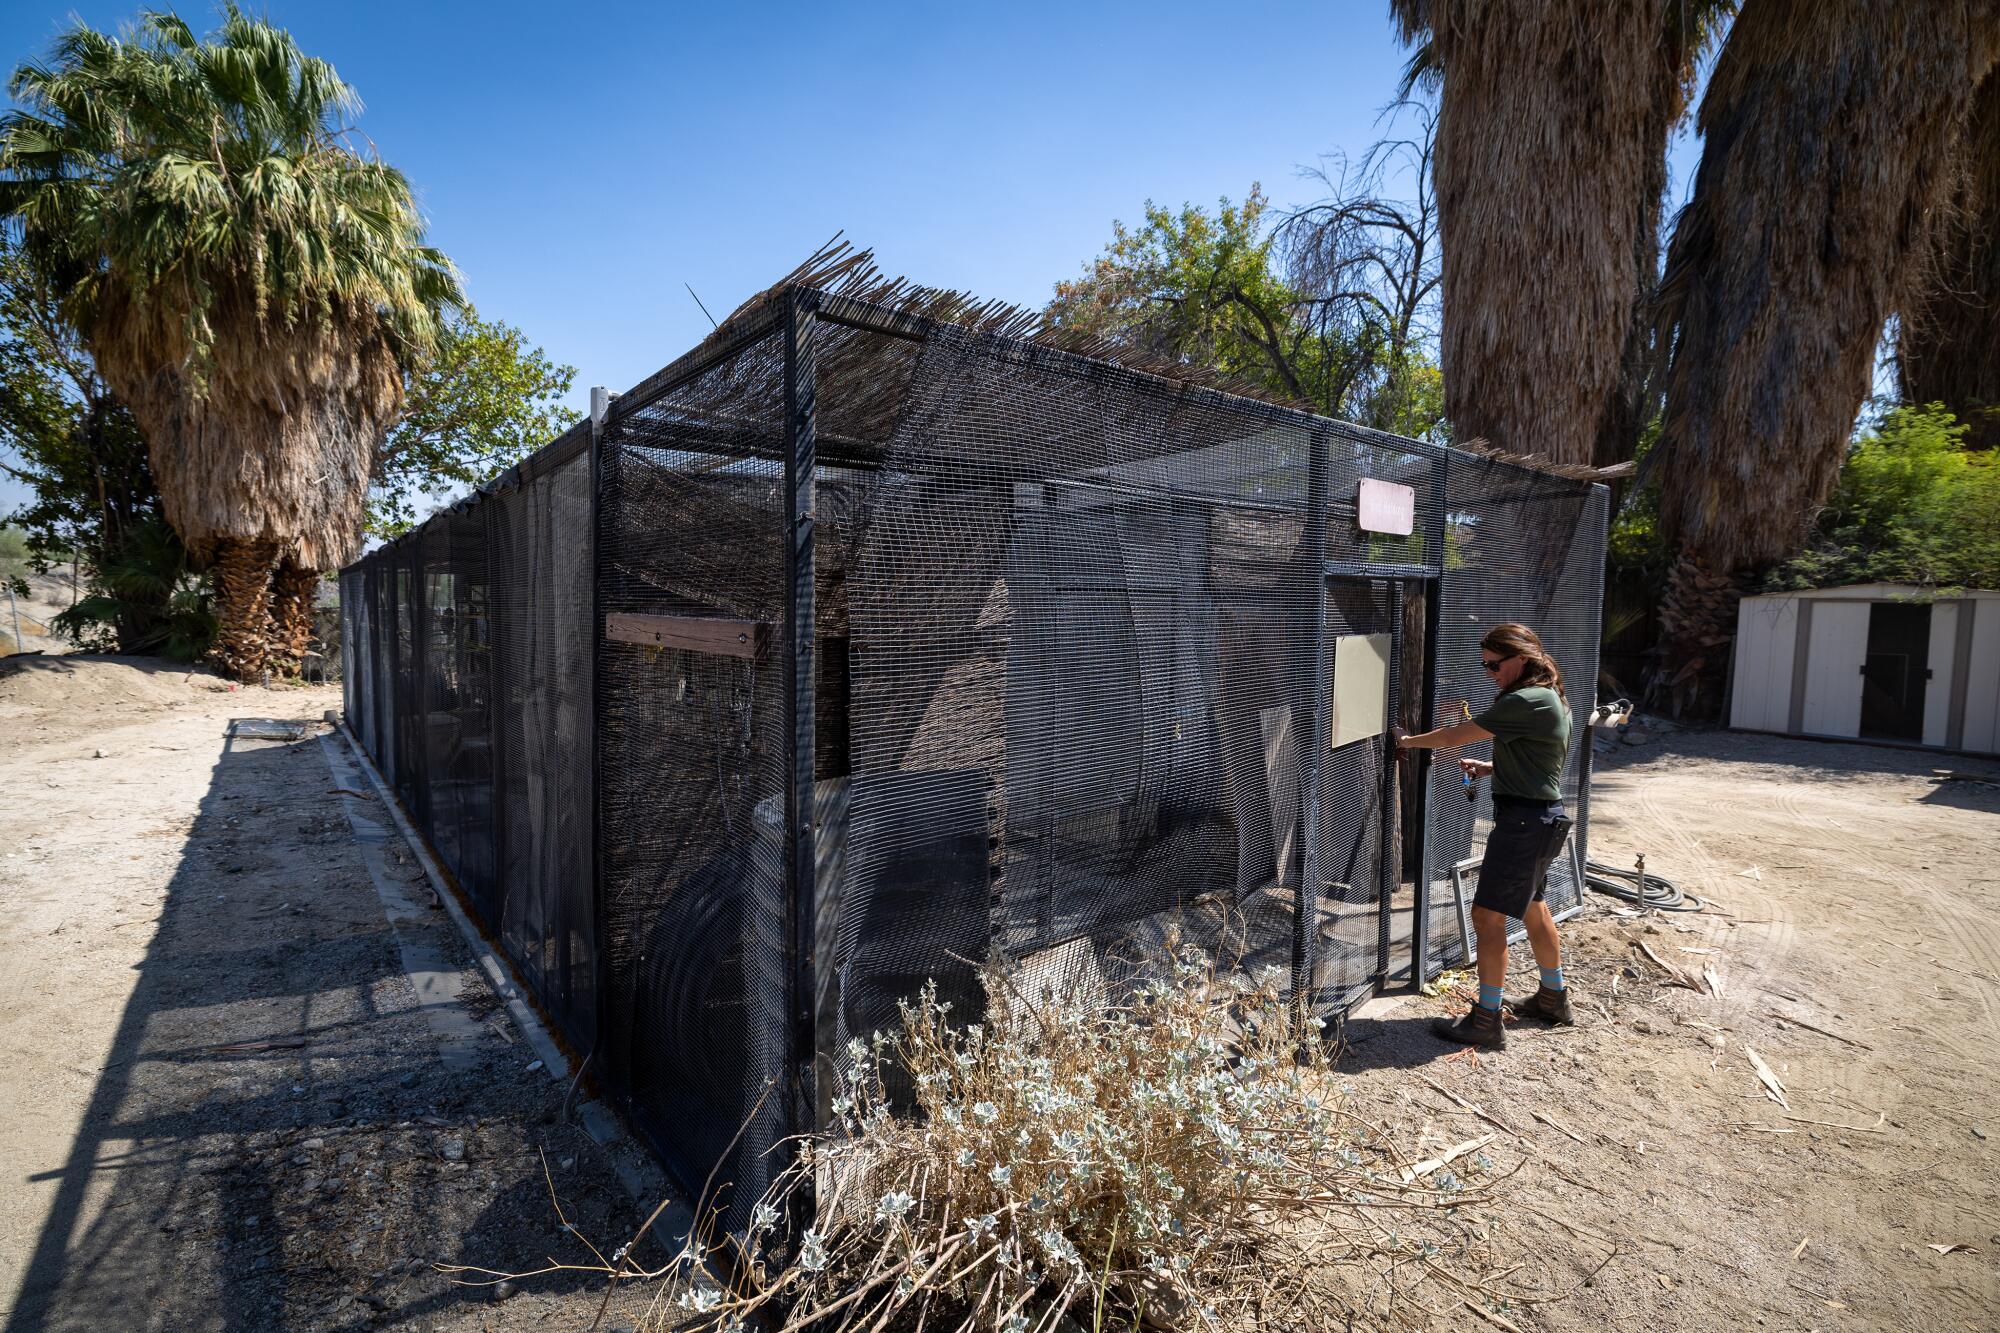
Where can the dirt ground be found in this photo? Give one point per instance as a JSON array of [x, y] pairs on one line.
[[1855, 937], [222, 1105]]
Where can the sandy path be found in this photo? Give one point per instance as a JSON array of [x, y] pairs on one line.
[[221, 1104]]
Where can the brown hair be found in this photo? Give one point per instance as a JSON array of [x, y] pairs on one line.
[[1513, 640]]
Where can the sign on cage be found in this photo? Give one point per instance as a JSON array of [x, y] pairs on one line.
[[1387, 507]]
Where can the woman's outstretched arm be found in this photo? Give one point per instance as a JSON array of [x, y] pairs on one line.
[[1445, 738]]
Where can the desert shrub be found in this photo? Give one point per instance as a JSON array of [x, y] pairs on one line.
[[1188, 1159]]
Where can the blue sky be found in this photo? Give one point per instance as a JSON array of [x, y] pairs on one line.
[[581, 162]]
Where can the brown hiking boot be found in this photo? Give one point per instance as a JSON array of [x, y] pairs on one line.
[[1479, 1027], [1550, 1006]]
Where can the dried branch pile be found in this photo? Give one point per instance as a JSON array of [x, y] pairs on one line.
[[1172, 1163]]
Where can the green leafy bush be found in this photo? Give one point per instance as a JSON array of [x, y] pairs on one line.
[[145, 599], [1914, 505]]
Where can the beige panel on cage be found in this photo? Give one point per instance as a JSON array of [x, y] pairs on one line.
[[1360, 687]]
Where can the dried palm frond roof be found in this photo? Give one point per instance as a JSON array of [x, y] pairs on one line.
[[1544, 464], [840, 269]]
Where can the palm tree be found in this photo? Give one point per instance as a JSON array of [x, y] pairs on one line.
[[1948, 342], [251, 287], [1553, 122], [1829, 129]]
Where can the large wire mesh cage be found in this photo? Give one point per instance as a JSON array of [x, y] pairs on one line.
[[860, 648]]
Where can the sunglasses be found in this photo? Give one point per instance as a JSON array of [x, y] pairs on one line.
[[1492, 667]]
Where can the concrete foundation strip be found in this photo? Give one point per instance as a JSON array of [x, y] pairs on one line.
[[437, 982]]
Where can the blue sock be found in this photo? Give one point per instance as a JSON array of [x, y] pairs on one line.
[[1552, 978], [1489, 996]]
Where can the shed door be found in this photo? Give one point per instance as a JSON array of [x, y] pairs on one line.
[[1943, 653], [1982, 678], [1836, 653], [1767, 633]]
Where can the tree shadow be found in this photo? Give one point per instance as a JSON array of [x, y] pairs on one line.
[[70, 664], [270, 1085], [1801, 758], [1959, 794]]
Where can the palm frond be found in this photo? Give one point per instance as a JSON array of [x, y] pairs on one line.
[[250, 285]]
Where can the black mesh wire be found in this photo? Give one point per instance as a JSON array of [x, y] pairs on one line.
[[1356, 865], [1519, 546], [692, 762], [406, 751], [362, 655], [458, 704], [1063, 651], [1074, 655], [469, 685], [381, 675], [442, 684], [538, 538], [1079, 697], [350, 605]]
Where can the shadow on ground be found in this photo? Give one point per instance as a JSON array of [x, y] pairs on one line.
[[271, 1143], [1792, 758]]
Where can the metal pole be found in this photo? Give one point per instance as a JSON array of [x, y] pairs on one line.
[[1599, 513], [1386, 875], [1313, 738], [600, 411], [801, 323], [1420, 921]]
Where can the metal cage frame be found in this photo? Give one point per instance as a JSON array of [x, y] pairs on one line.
[[397, 644]]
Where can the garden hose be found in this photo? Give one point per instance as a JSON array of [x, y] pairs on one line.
[[1662, 894]]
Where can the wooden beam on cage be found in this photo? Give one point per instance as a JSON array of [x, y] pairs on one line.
[[750, 639]]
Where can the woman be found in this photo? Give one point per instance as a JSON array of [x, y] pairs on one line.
[[1529, 725]]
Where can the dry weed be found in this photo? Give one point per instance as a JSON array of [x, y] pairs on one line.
[[1188, 1160]]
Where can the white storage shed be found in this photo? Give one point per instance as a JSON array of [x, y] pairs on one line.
[[1875, 661]]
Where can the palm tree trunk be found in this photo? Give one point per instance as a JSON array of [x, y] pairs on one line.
[[243, 606], [1828, 129], [1552, 130], [292, 593], [1949, 343]]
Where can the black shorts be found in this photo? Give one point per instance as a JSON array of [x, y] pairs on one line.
[[1527, 836]]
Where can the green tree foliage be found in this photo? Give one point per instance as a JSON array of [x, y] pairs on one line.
[[145, 598], [65, 435], [487, 400], [252, 284], [1410, 400], [181, 189], [1327, 306], [1199, 288], [1914, 505], [1364, 260]]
